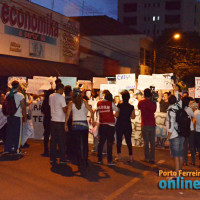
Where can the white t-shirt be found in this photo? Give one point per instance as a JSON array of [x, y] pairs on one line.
[[57, 103], [197, 117], [190, 112], [18, 98]]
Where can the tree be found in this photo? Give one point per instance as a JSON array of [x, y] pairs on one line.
[[182, 57]]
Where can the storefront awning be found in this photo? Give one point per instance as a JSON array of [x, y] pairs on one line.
[[18, 66]]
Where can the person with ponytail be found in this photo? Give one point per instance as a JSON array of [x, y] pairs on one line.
[[79, 108]]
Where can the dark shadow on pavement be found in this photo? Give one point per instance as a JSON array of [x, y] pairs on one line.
[[64, 170], [10, 157]]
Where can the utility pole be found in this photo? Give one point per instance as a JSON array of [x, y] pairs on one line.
[[52, 5], [83, 7]]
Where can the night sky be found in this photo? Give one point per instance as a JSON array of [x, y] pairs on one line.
[[75, 7]]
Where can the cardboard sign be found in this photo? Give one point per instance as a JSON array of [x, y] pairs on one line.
[[68, 81], [16, 78], [125, 81], [36, 85], [86, 85], [145, 81], [191, 92], [197, 87], [162, 81], [98, 81], [51, 80], [113, 88]]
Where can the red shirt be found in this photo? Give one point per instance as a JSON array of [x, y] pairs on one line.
[[105, 112], [148, 108]]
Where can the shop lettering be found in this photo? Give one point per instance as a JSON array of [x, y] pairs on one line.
[[25, 20]]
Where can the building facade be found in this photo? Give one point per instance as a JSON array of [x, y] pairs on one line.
[[152, 17]]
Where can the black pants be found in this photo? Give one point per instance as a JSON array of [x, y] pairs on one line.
[[47, 132], [80, 141], [58, 137], [14, 134], [197, 139], [126, 130], [106, 132], [148, 133], [70, 140], [189, 143]]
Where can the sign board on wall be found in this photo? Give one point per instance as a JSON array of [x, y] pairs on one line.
[[125, 81], [97, 81], [34, 30], [197, 87]]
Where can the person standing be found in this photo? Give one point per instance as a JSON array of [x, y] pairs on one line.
[[79, 108], [58, 109], [148, 108], [164, 104], [174, 141], [190, 140], [45, 109], [196, 121], [15, 122], [106, 107], [123, 125]]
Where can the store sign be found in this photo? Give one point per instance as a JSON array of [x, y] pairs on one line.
[[31, 26], [15, 47]]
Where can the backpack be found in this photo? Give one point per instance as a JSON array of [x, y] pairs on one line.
[[183, 120], [9, 106]]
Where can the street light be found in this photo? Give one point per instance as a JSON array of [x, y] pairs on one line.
[[176, 36]]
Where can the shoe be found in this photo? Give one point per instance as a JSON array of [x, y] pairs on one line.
[[100, 162], [152, 162], [112, 163], [118, 158], [64, 162]]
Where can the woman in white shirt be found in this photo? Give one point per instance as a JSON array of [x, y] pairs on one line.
[[190, 140], [79, 108]]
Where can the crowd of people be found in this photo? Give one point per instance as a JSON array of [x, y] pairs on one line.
[[66, 123]]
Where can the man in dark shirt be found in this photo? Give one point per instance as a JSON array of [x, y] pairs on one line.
[[164, 104], [148, 108]]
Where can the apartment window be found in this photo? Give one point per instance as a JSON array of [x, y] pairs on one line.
[[172, 19], [173, 5], [130, 7], [130, 21]]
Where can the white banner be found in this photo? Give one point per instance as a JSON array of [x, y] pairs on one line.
[[145, 81], [113, 88], [68, 81], [197, 87], [125, 81], [16, 78], [87, 85], [98, 81], [162, 81], [36, 85]]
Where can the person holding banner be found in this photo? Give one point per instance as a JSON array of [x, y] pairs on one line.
[[123, 125], [148, 108], [107, 125], [79, 108]]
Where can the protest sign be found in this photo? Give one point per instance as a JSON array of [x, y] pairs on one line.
[[125, 81], [191, 92], [37, 120], [162, 81], [98, 81], [113, 88], [86, 85], [145, 81], [36, 85], [16, 78], [68, 81], [50, 79], [197, 87]]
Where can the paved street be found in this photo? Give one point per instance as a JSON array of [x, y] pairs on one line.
[[32, 178]]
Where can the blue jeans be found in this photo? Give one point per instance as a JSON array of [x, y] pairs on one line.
[[176, 146]]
